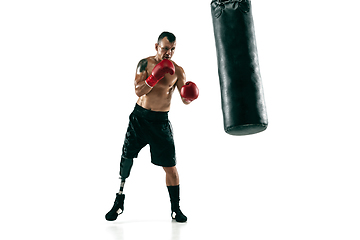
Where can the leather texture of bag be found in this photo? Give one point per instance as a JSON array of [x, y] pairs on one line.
[[242, 97]]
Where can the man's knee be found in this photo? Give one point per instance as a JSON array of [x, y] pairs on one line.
[[171, 171]]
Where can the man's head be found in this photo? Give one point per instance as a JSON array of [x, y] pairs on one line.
[[165, 47]]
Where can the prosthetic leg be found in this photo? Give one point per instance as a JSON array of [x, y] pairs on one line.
[[118, 207]]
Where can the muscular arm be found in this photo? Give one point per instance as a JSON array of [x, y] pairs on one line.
[[181, 82], [141, 87]]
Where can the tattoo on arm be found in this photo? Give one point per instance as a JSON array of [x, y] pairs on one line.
[[142, 66]]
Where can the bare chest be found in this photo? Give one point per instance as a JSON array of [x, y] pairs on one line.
[[167, 82]]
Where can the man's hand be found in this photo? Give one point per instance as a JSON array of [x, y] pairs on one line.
[[159, 71], [189, 91]]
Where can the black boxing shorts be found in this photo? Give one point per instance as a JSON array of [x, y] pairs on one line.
[[153, 128]]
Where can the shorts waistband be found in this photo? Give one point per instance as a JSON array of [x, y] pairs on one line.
[[149, 114]]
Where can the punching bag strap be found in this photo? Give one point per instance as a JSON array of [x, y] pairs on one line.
[[226, 1], [219, 5]]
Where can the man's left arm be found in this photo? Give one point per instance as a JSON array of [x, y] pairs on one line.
[[181, 80], [188, 90]]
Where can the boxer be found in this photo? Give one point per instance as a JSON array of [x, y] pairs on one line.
[[156, 79]]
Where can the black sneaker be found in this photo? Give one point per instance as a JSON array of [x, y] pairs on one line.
[[178, 216], [117, 209]]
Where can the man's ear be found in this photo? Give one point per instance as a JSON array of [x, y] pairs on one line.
[[156, 46]]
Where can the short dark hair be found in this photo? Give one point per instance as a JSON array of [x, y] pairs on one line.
[[171, 37]]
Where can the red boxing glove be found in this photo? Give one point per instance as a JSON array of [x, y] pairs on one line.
[[159, 71], [189, 91]]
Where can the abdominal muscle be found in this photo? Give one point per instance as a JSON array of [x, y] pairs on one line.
[[158, 99]]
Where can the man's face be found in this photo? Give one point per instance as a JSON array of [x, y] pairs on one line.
[[166, 49]]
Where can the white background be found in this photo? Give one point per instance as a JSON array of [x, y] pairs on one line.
[[67, 70]]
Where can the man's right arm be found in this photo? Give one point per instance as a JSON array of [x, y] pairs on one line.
[[141, 87], [144, 85]]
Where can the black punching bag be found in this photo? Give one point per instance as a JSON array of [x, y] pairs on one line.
[[242, 97]]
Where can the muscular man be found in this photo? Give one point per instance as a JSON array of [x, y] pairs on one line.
[[155, 81]]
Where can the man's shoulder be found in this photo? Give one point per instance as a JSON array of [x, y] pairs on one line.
[[179, 71], [178, 68], [150, 59], [143, 63]]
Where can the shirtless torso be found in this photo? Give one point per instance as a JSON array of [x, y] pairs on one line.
[[158, 98]]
